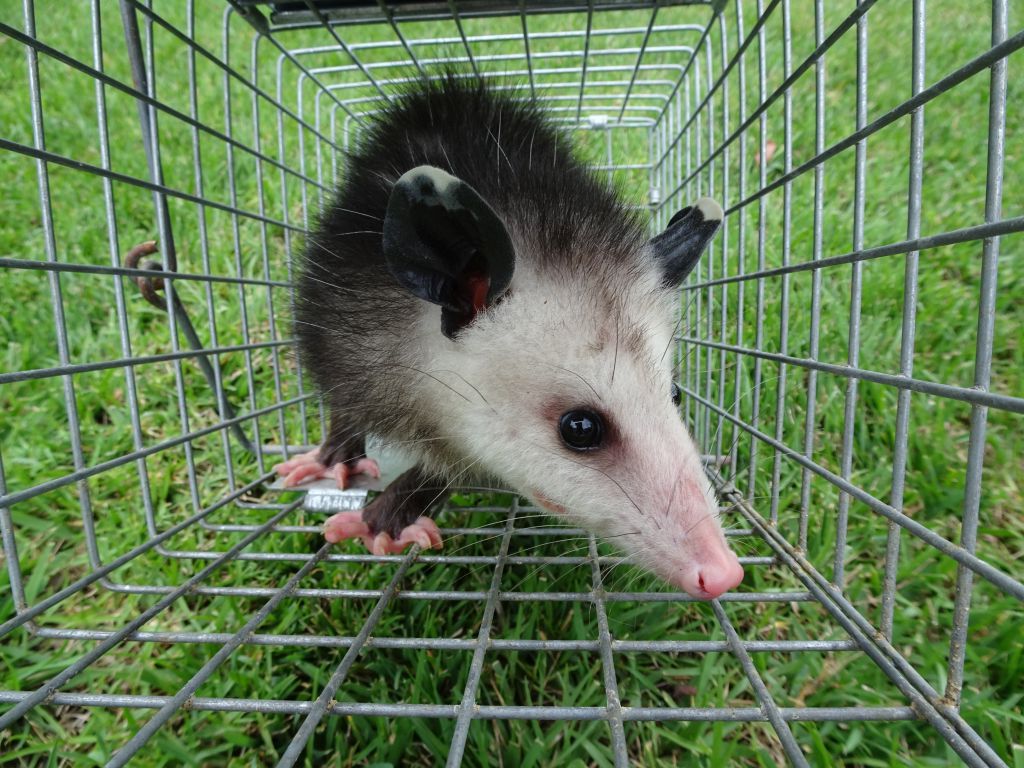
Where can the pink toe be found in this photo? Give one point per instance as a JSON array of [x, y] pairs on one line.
[[382, 544], [304, 472], [341, 475], [414, 534], [432, 531], [345, 525], [367, 467]]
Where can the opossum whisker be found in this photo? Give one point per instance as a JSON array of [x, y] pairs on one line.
[[672, 498], [446, 158], [497, 143], [361, 213], [431, 376], [678, 325], [496, 536], [578, 376], [703, 519], [314, 325], [412, 154], [565, 571], [329, 285], [352, 232], [596, 469], [631, 575], [468, 384], [566, 552], [615, 359], [574, 549]]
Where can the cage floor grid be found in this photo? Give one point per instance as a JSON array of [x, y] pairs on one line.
[[310, 576]]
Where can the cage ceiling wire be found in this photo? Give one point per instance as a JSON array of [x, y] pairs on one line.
[[697, 93]]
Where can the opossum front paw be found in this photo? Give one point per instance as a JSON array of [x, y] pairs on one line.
[[307, 466], [350, 525]]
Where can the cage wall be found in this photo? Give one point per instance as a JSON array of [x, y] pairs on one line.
[[849, 352]]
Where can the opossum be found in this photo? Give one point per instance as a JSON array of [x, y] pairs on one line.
[[475, 294]]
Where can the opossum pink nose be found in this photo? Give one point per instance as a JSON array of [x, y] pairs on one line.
[[715, 576]]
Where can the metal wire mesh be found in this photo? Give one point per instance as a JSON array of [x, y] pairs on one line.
[[178, 391]]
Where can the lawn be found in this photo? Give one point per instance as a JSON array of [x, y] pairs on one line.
[[123, 411]]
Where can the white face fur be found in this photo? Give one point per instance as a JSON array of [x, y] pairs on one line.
[[552, 346]]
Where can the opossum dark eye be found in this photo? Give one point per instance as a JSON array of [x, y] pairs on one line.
[[677, 394], [581, 430]]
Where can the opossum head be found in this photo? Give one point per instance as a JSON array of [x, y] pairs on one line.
[[557, 379]]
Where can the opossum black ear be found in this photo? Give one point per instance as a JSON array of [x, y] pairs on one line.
[[445, 244], [677, 248]]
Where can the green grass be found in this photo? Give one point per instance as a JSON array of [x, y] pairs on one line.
[[35, 436]]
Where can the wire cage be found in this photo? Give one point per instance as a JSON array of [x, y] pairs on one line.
[[849, 354]]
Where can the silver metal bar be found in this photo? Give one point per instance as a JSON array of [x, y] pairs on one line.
[[236, 236], [767, 703], [275, 359], [585, 59], [611, 685], [787, 240], [438, 10], [318, 708], [97, 74], [909, 322], [54, 283], [10, 550], [457, 745], [639, 57], [33, 374], [466, 644], [101, 269], [505, 712], [723, 238], [344, 46], [856, 292], [224, 409], [513, 37], [755, 411], [982, 356], [453, 7], [479, 595], [526, 49], [390, 16], [763, 15], [741, 250], [811, 410]]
